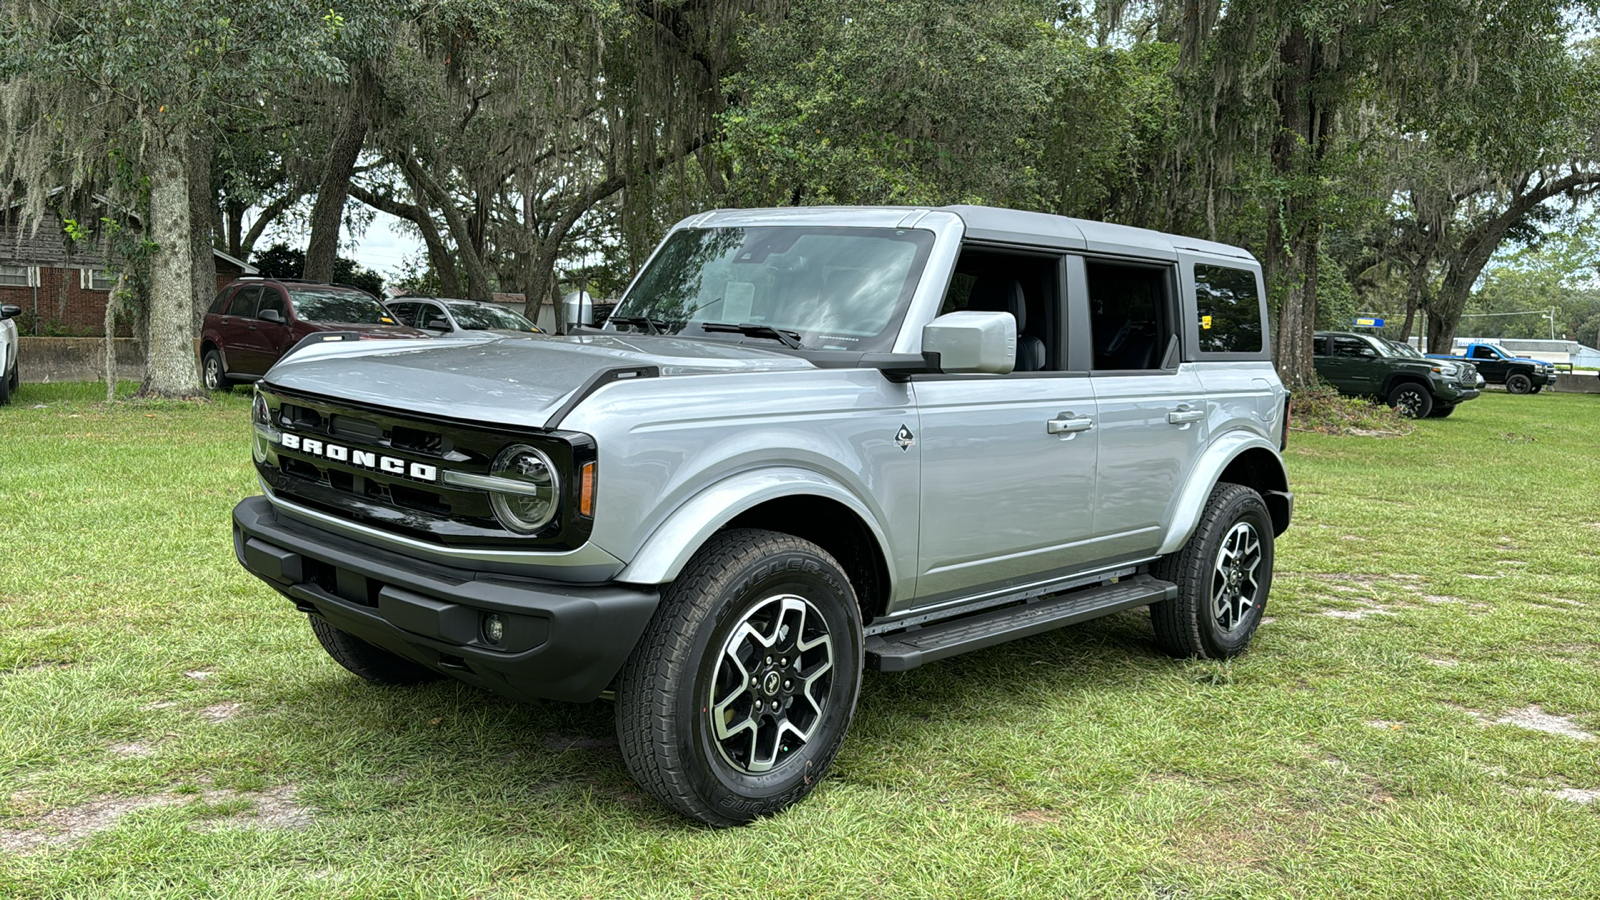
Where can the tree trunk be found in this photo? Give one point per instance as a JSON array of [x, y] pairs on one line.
[[170, 369], [202, 212], [327, 214], [1294, 230], [460, 233]]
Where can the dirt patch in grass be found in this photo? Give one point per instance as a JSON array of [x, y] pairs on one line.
[[1536, 719], [219, 712], [132, 750], [1035, 817], [1575, 795], [269, 809], [1355, 613]]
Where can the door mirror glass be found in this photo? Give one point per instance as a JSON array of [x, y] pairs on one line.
[[970, 341]]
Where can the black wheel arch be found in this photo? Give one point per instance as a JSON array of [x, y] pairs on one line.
[[835, 528]]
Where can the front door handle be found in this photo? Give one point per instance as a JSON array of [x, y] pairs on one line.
[[1067, 423], [1183, 415]]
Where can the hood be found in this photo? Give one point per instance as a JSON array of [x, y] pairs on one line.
[[518, 381]]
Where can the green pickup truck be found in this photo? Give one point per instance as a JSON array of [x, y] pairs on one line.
[[1368, 366]]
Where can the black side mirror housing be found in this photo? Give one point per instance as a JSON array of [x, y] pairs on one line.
[[10, 311]]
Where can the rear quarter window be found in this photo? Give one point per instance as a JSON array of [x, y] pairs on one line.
[[1231, 315]]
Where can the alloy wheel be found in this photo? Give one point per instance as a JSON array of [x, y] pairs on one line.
[[1235, 579], [770, 688]]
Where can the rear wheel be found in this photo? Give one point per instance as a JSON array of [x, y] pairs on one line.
[[1412, 400], [740, 692], [1223, 574], [212, 373], [1519, 383], [375, 665]]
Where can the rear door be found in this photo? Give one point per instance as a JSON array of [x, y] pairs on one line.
[[1152, 406], [237, 332]]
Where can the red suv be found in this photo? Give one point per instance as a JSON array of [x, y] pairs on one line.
[[255, 321]]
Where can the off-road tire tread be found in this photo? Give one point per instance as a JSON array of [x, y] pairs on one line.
[[224, 386], [1177, 622], [1520, 379], [371, 663], [647, 695]]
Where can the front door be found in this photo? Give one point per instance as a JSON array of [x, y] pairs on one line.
[[1008, 461]]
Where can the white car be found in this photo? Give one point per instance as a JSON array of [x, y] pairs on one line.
[[9, 376]]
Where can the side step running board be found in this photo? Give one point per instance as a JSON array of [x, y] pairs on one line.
[[899, 651]]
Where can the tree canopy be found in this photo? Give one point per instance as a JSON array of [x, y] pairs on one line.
[[1375, 156]]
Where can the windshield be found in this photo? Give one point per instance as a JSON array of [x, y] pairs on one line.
[[480, 316], [312, 305], [1404, 349], [833, 288]]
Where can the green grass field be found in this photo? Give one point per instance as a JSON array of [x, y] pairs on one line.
[[169, 728]]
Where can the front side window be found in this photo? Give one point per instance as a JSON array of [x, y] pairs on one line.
[[314, 305], [830, 288], [1229, 307], [479, 316]]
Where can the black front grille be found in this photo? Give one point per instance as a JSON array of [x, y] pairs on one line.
[[342, 460]]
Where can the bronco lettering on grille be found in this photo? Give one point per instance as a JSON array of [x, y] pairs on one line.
[[388, 465]]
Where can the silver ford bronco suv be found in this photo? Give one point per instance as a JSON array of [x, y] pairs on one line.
[[808, 442]]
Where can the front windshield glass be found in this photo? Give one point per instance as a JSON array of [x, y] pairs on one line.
[[481, 316], [833, 288], [1404, 349], [313, 305]]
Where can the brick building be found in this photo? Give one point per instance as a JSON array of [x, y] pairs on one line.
[[63, 290]]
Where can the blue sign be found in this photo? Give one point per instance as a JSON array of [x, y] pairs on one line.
[[1368, 322]]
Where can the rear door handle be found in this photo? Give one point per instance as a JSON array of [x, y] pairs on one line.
[[1067, 423], [1183, 415]]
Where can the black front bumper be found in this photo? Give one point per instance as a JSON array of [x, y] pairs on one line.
[[560, 642]]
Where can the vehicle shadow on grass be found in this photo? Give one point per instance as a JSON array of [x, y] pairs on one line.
[[452, 740]]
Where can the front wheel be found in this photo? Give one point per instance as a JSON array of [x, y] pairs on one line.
[[740, 692], [1223, 574], [1412, 401], [1536, 389], [7, 385], [1443, 410], [1519, 384]]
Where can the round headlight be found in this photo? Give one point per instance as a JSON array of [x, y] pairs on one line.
[[258, 410], [527, 501]]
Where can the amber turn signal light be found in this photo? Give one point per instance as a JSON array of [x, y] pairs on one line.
[[586, 490]]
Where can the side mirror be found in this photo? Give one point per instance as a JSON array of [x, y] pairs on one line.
[[437, 325], [9, 311], [270, 315], [971, 341]]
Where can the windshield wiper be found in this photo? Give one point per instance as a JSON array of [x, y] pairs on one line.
[[790, 339], [653, 326]]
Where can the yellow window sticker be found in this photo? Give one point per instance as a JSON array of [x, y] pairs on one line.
[[1205, 322]]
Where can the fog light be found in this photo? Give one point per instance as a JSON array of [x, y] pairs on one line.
[[494, 628]]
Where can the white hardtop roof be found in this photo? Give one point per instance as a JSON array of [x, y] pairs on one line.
[[985, 223]]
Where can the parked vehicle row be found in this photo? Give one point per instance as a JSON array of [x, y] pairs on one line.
[[254, 322]]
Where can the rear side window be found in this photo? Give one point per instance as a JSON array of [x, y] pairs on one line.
[[1230, 310], [217, 305], [244, 302]]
